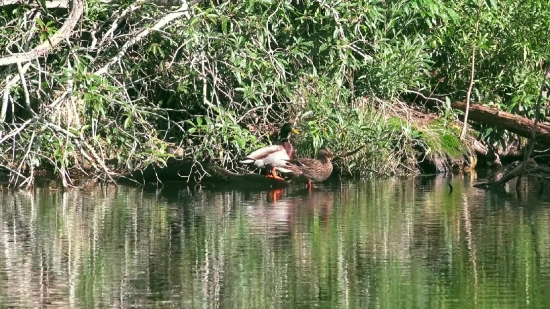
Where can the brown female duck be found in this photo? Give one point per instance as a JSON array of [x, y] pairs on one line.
[[311, 170]]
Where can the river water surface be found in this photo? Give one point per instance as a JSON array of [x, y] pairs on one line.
[[395, 243]]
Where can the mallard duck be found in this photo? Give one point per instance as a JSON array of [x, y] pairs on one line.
[[311, 170], [274, 155]]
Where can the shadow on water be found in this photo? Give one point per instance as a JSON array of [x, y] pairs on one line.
[[394, 243]]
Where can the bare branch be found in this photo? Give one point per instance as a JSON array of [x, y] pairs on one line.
[[50, 4], [472, 72], [117, 21], [9, 84], [53, 41], [163, 22], [25, 88], [425, 97]]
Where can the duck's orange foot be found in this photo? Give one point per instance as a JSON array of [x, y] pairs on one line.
[[275, 177]]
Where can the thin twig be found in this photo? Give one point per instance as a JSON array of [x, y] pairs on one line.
[[164, 21], [472, 71], [425, 97]]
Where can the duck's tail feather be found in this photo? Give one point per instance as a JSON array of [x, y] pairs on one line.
[[295, 162], [247, 161]]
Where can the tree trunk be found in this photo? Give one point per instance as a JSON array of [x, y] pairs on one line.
[[517, 124]]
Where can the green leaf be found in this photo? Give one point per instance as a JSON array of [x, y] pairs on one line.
[[127, 123], [40, 22], [224, 24], [43, 6]]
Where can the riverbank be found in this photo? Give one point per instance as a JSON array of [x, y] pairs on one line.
[[406, 141], [428, 152]]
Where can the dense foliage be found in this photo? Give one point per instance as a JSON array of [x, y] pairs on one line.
[[221, 78]]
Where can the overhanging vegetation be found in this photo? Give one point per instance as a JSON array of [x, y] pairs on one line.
[[134, 83]]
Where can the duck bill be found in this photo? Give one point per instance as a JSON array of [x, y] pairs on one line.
[[294, 131]]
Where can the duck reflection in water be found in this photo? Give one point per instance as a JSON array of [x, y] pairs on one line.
[[274, 195], [285, 212]]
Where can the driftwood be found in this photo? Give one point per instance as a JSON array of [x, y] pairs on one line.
[[517, 169], [187, 171]]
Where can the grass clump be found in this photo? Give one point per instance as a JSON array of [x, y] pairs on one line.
[[327, 117]]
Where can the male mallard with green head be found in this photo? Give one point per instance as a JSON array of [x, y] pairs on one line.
[[274, 156]]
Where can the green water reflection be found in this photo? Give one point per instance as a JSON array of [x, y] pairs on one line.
[[373, 244]]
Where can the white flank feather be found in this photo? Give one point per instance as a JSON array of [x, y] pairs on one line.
[[274, 155], [247, 161]]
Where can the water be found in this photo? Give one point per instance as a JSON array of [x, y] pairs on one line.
[[398, 243]]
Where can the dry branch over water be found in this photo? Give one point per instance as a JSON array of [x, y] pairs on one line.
[[528, 166], [517, 124]]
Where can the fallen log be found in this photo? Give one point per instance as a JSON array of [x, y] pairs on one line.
[[185, 170], [194, 172], [537, 133], [514, 123], [249, 180]]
